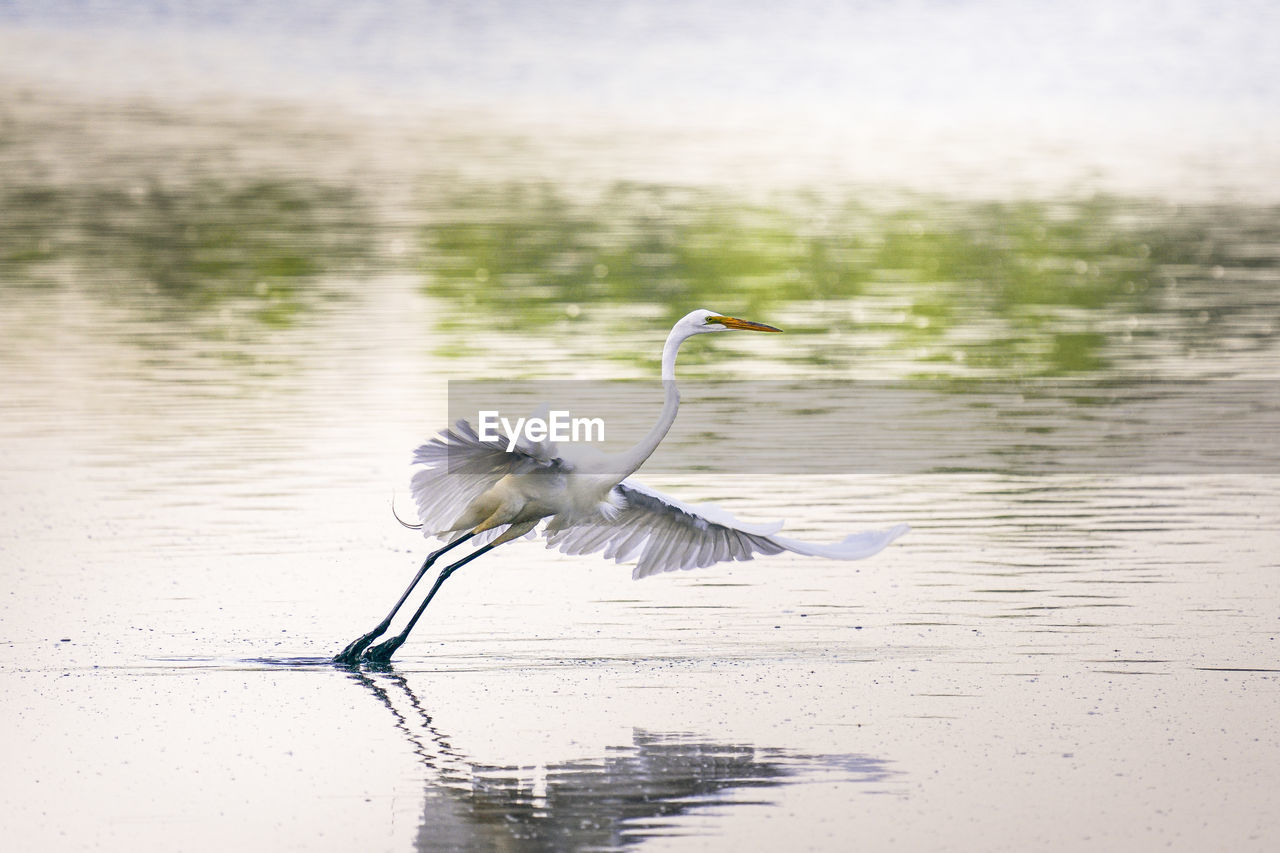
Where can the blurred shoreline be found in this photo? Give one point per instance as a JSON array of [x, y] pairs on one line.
[[279, 206], [882, 156]]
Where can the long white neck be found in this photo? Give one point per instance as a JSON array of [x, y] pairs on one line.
[[626, 463]]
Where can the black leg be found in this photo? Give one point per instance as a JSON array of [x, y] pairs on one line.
[[382, 652], [351, 654]]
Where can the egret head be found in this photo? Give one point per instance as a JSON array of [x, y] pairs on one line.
[[702, 321]]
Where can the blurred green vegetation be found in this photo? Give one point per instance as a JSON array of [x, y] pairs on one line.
[[948, 286], [186, 247], [1032, 287]]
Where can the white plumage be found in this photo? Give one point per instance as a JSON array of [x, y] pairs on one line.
[[631, 522], [470, 490]]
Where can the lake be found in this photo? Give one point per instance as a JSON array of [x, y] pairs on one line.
[[249, 260]]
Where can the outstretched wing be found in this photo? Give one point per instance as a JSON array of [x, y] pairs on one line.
[[667, 534], [457, 466]]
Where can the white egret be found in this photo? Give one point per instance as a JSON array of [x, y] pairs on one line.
[[467, 488]]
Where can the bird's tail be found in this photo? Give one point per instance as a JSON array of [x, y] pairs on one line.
[[855, 546]]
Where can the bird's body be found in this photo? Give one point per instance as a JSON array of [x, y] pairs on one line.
[[514, 489], [470, 489], [588, 507]]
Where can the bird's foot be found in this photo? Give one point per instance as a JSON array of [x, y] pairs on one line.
[[382, 652], [350, 656]]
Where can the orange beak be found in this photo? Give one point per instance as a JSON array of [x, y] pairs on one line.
[[745, 325]]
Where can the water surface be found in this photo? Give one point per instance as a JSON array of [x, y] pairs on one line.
[[230, 313]]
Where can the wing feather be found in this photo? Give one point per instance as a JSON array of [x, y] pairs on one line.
[[457, 466], [668, 534]]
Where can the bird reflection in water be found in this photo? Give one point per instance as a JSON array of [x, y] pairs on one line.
[[631, 793]]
